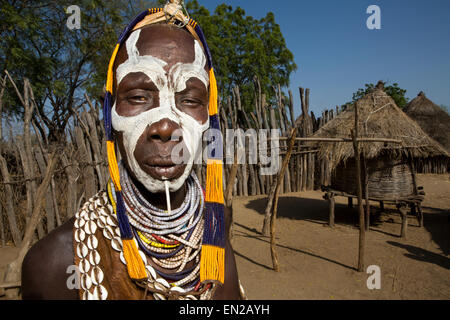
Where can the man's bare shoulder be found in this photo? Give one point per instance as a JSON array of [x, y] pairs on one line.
[[44, 267]]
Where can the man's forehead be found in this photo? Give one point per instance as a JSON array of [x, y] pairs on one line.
[[168, 43]]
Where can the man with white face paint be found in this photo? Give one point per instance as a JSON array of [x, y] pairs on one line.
[[156, 233], [168, 83]]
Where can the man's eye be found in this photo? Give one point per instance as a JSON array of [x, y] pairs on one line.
[[190, 102], [138, 98]]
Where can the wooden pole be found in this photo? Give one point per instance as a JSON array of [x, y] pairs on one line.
[[231, 181], [10, 211], [331, 202], [291, 108], [350, 202], [366, 191], [362, 233], [50, 213], [229, 194], [269, 205], [275, 204], [402, 208], [12, 274], [90, 186], [343, 139], [420, 214], [2, 227], [2, 91], [416, 192]]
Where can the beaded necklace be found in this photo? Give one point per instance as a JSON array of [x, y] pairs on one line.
[[172, 240]]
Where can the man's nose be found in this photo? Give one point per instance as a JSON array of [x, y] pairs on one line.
[[164, 130]]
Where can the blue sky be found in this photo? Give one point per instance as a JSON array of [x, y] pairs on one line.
[[336, 54]]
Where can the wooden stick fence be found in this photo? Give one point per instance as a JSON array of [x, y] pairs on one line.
[[81, 170]]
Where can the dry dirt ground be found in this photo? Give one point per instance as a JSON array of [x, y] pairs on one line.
[[318, 262]]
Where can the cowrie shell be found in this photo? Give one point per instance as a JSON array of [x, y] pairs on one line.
[[152, 271], [90, 227], [79, 235], [122, 258], [116, 244], [83, 214], [93, 215], [114, 218], [177, 289], [97, 275], [97, 202], [159, 286], [143, 257], [82, 250], [160, 296], [92, 242], [86, 282], [84, 266], [100, 293], [163, 282], [102, 218], [117, 231], [110, 208], [110, 230], [87, 295], [79, 223], [102, 212], [108, 233], [94, 258], [110, 221], [101, 223]]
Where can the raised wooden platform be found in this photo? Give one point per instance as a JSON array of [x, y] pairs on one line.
[[413, 201]]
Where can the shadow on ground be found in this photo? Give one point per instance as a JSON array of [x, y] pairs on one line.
[[313, 210], [437, 223], [420, 254], [254, 234]]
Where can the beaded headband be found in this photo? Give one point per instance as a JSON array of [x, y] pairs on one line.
[[212, 262]]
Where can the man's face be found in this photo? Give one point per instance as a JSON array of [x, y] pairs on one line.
[[161, 104]]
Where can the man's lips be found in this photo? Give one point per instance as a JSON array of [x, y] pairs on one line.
[[164, 164], [160, 168]]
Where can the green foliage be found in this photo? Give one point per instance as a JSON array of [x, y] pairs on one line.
[[397, 93], [243, 47], [60, 63], [64, 64], [445, 108]]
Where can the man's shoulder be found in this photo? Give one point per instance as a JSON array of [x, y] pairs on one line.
[[45, 264], [58, 239]]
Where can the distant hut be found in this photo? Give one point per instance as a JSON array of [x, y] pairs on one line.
[[436, 123], [390, 170]]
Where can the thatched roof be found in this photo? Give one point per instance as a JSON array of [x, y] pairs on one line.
[[431, 118], [379, 117]]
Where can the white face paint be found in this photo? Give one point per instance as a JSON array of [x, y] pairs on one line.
[[168, 84]]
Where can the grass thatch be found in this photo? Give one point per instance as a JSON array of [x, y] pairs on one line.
[[431, 118], [379, 117]]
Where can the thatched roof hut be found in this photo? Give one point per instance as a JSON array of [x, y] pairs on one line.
[[388, 165], [431, 118]]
